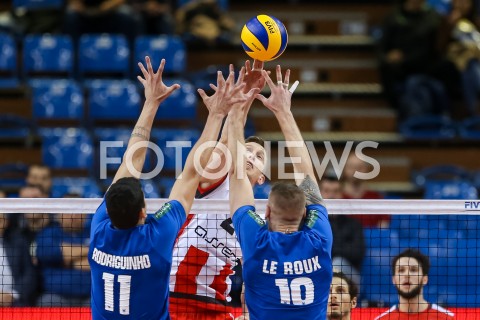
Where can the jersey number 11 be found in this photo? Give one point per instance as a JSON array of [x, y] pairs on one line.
[[124, 295]]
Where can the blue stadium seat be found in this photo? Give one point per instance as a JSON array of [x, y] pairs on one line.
[[417, 226], [166, 184], [376, 280], [51, 54], [150, 189], [381, 238], [38, 4], [203, 78], [104, 54], [60, 99], [450, 190], [428, 128], [12, 175], [262, 191], [66, 148], [162, 136], [470, 128], [113, 100], [443, 7], [441, 173], [182, 103], [85, 187], [14, 127], [223, 4], [8, 62], [170, 48]]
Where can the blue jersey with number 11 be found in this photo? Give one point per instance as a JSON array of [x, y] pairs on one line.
[[287, 276], [130, 268]]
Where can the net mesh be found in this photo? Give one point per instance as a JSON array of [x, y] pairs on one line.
[[48, 275]]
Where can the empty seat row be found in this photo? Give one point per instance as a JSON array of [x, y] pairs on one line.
[[74, 148], [107, 100], [428, 128], [103, 54]]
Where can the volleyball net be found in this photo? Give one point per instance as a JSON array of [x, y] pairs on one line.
[[447, 231]]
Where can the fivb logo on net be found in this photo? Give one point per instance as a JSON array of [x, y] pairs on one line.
[[217, 169], [472, 206]]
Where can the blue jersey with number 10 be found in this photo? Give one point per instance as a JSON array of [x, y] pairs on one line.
[[130, 268], [287, 276]]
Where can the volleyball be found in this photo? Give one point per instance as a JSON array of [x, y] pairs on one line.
[[264, 37]]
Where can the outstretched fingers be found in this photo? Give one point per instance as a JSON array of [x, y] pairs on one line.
[[257, 65], [247, 66], [268, 79], [149, 65], [202, 94], [220, 80], [279, 74], [286, 81], [160, 69], [142, 81], [261, 98], [144, 71], [241, 76], [237, 89], [231, 78]]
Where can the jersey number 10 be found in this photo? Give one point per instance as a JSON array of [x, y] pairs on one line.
[[124, 295], [292, 293]]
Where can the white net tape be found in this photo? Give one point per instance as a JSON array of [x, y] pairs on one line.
[[405, 207]]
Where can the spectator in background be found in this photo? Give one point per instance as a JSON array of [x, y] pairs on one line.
[[412, 70], [348, 248], [37, 19], [19, 237], [203, 22], [3, 194], [155, 15], [463, 49], [101, 16], [354, 188], [34, 221], [410, 274], [40, 175], [61, 251], [342, 298], [7, 287]]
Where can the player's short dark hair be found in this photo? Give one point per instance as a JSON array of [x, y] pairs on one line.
[[288, 196], [422, 259], [125, 200], [352, 287], [256, 139]]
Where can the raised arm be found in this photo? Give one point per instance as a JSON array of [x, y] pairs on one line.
[[279, 103], [221, 102], [253, 78], [155, 93], [241, 192]]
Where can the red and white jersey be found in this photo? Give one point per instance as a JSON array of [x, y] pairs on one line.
[[203, 257], [433, 312]]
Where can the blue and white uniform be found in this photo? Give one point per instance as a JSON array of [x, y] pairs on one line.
[[287, 276], [130, 268]]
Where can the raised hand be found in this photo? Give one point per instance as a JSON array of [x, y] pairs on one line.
[[280, 99], [227, 93], [155, 89], [253, 76]]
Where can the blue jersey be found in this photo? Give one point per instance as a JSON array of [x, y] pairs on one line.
[[130, 269], [287, 276]]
